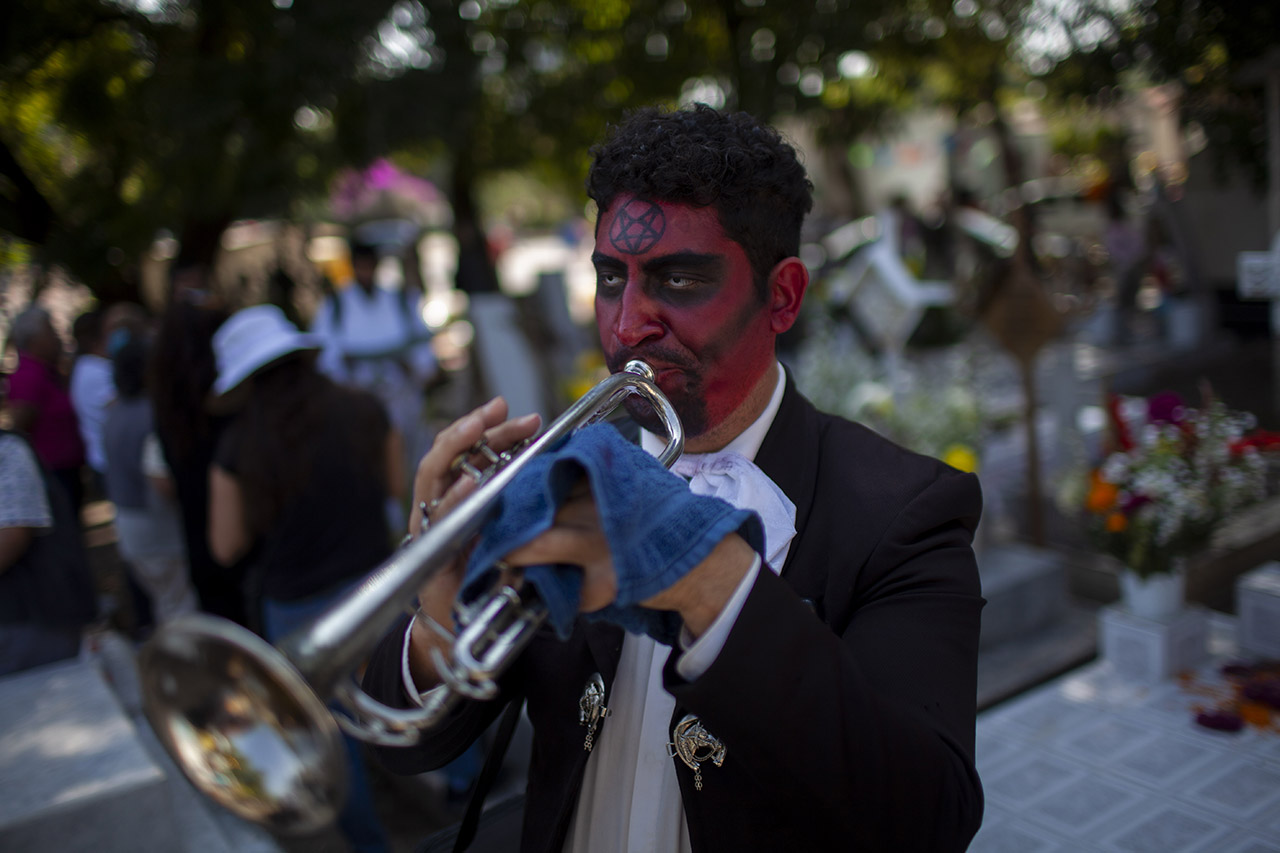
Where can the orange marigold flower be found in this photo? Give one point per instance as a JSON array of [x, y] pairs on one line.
[[1117, 522], [1102, 495], [1255, 714]]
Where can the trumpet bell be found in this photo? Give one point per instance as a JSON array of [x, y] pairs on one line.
[[243, 725]]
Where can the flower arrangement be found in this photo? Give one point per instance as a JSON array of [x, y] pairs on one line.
[[1174, 474], [935, 410]]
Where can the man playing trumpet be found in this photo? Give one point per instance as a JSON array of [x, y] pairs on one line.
[[821, 692]]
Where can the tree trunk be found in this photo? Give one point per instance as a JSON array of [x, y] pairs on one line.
[[740, 98], [476, 273], [200, 239]]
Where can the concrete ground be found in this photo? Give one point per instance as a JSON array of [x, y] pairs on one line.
[[1093, 761]]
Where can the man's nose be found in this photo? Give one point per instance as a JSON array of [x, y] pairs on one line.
[[638, 319]]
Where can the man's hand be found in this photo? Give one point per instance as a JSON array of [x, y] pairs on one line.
[[441, 489], [577, 539], [701, 595]]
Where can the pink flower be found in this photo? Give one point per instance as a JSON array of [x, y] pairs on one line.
[[1134, 502]]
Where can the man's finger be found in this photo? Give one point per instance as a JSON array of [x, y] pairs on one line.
[[433, 476], [507, 434]]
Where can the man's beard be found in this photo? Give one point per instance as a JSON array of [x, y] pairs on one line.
[[692, 412], [688, 402]]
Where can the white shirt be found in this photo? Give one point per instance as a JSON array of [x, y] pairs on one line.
[[369, 345], [630, 797], [92, 389], [23, 499]]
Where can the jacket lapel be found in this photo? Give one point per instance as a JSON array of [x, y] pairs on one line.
[[604, 641], [787, 456]]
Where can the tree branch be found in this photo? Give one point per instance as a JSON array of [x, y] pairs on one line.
[[24, 210]]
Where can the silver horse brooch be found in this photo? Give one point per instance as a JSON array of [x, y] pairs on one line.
[[695, 745]]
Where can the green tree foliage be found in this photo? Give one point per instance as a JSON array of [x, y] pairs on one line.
[[1213, 50], [118, 119]]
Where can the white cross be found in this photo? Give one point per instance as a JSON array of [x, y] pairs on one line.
[[887, 300]]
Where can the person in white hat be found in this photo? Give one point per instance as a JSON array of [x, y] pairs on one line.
[[297, 487]]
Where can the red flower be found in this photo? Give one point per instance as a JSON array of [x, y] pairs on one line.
[[1119, 429], [1263, 440]]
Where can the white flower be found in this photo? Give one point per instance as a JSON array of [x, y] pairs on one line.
[[875, 396]]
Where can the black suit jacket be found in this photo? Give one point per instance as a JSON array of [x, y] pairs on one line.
[[845, 693]]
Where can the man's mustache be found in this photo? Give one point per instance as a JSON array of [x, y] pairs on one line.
[[657, 357]]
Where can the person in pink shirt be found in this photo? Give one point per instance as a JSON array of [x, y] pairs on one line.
[[40, 404]]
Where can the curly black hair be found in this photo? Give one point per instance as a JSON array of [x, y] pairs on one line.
[[701, 157]]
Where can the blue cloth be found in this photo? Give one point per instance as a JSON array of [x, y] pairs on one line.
[[656, 528]]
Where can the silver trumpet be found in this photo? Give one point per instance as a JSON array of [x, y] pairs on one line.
[[255, 727]]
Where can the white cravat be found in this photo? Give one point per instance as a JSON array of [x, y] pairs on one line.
[[734, 478], [630, 797]]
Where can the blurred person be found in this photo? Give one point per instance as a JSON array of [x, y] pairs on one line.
[[181, 372], [93, 393], [92, 389], [375, 339], [1126, 259], [46, 589], [190, 281], [297, 489], [122, 321], [40, 403], [138, 482]]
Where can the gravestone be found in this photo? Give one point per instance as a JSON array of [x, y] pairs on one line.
[[1258, 277], [1258, 607], [560, 342], [508, 365], [1025, 588], [1150, 650]]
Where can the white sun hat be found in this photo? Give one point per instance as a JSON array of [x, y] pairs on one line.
[[251, 339]]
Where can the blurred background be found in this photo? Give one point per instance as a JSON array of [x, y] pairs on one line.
[[1021, 208]]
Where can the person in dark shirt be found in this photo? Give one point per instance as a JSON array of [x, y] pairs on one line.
[[297, 489], [182, 370]]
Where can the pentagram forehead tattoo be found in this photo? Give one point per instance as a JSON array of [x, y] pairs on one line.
[[637, 227]]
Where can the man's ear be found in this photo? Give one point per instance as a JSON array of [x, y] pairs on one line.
[[788, 281]]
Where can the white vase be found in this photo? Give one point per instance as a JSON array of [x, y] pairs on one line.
[[1159, 596]]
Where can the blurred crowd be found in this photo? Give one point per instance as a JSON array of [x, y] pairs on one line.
[[252, 470], [255, 471]]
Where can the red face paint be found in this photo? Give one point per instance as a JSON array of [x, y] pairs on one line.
[[674, 290]]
